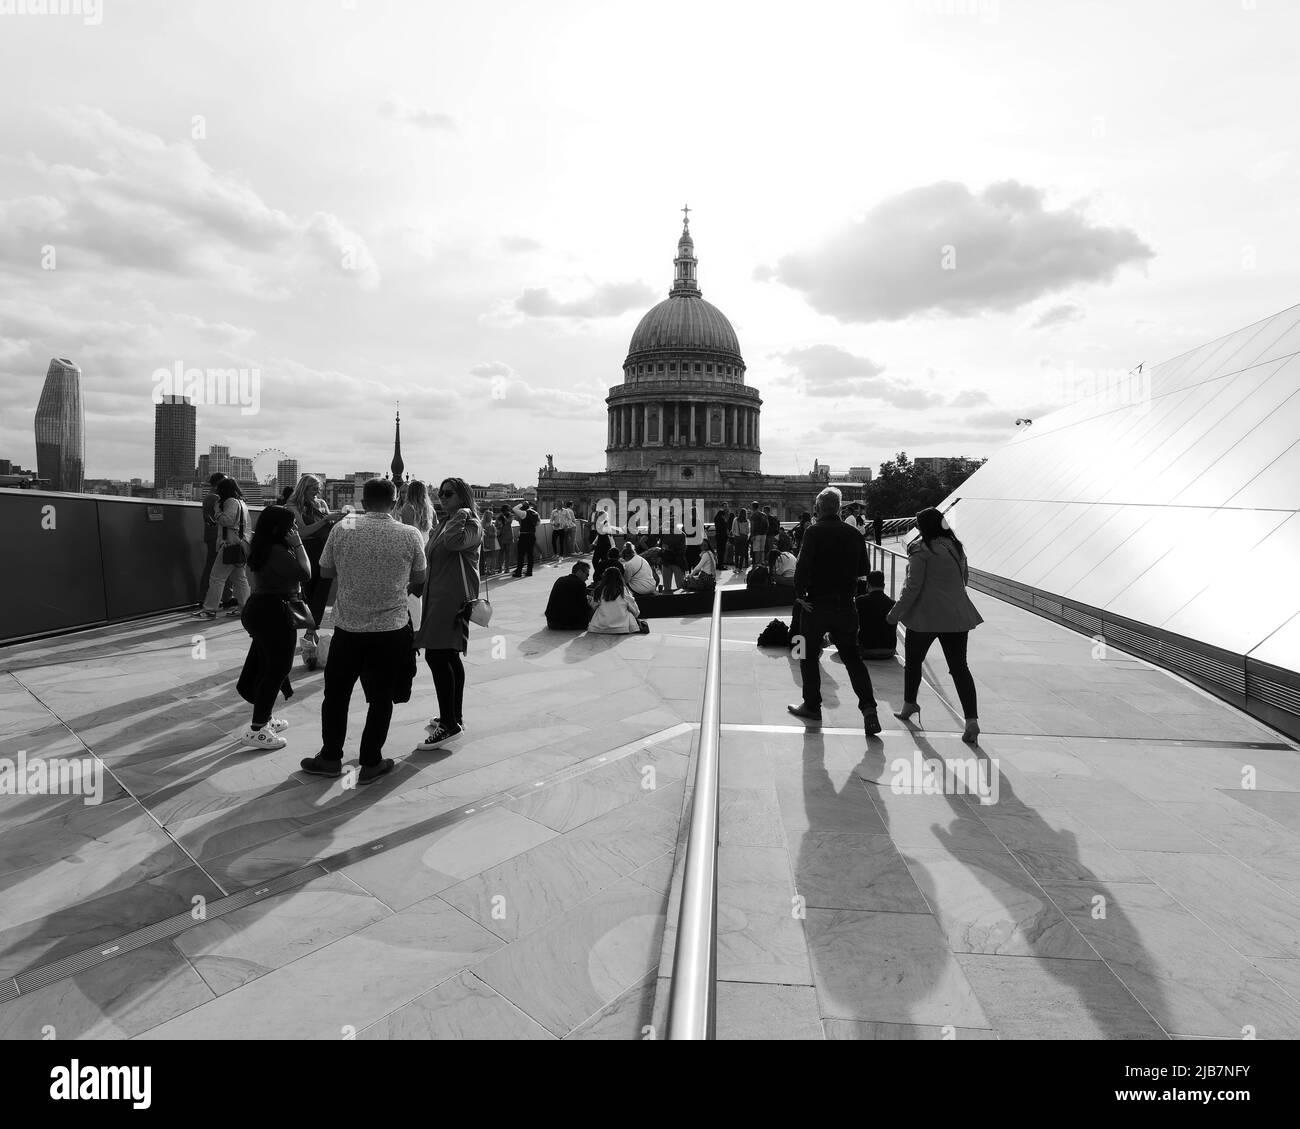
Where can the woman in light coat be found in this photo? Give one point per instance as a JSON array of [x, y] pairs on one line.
[[614, 608], [234, 528], [452, 582], [934, 605]]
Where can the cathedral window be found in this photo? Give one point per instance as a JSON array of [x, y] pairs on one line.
[[708, 368], [697, 366]]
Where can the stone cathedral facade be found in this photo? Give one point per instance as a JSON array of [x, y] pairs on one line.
[[683, 423]]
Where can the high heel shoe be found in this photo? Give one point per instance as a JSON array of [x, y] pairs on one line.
[[972, 734], [910, 709]]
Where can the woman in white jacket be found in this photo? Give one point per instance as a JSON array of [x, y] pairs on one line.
[[614, 608]]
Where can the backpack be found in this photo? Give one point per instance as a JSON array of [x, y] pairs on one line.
[[775, 634], [758, 577]]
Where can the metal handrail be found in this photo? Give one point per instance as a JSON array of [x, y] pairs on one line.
[[692, 1002]]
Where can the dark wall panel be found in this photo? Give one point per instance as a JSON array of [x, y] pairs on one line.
[[50, 579], [152, 555]]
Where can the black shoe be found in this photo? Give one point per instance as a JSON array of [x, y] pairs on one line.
[[871, 723], [318, 767], [807, 712], [517, 575], [372, 772]]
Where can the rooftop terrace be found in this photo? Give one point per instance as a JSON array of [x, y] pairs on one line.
[[1137, 876]]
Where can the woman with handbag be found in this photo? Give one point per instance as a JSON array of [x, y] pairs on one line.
[[451, 603], [233, 535], [273, 614], [934, 605]]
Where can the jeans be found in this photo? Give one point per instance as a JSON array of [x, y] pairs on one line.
[[375, 657], [560, 541], [740, 550], [673, 574], [221, 572], [315, 592], [915, 646], [448, 682], [839, 619], [270, 655], [527, 546]]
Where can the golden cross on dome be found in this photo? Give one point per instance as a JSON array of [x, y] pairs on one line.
[[686, 215]]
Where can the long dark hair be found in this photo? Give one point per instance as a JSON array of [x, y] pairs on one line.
[[929, 524], [228, 488], [273, 525], [611, 583], [465, 496]]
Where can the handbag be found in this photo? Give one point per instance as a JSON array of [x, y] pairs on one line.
[[476, 611], [299, 615], [236, 554]]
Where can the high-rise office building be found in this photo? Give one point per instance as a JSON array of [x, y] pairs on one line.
[[286, 473], [241, 469], [60, 428], [219, 460], [173, 444]]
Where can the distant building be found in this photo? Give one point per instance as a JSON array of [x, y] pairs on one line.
[[174, 424], [60, 428], [940, 466], [286, 473], [219, 460], [860, 474], [682, 424]]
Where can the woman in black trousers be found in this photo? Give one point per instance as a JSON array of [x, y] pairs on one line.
[[277, 566], [934, 605]]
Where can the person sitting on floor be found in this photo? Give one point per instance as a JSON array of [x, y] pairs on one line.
[[877, 637], [704, 576], [637, 573], [781, 566], [567, 609], [614, 608]]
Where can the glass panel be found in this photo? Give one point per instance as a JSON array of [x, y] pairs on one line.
[[1078, 528], [1282, 648], [1104, 555], [1266, 345]]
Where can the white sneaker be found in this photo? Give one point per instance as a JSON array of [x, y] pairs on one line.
[[277, 725], [262, 739]]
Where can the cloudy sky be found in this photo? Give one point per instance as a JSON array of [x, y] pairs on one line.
[[924, 218]]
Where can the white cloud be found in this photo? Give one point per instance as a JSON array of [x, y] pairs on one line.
[[607, 300], [946, 250]]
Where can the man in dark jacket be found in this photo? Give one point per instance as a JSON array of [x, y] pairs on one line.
[[831, 559], [567, 609], [721, 530], [528, 520]]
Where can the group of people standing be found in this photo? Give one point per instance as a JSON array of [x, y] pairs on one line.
[[281, 570]]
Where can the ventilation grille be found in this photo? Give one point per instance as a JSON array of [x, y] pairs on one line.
[[1276, 694]]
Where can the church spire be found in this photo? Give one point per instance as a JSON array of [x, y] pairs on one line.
[[397, 465], [684, 283]]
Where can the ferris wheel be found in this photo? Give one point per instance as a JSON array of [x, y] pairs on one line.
[[266, 465]]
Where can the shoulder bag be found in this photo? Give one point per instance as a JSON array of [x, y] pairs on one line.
[[476, 611], [236, 554]]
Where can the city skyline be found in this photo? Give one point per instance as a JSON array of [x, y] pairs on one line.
[[904, 273]]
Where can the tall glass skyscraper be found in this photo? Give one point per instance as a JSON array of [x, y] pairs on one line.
[[60, 428], [173, 444]]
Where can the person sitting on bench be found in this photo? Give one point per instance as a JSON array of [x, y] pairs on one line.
[[637, 573], [877, 637], [781, 566], [704, 575], [568, 609]]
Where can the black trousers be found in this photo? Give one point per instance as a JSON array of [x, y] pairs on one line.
[[316, 590], [527, 546], [448, 682], [377, 659], [915, 646], [270, 655], [840, 621]]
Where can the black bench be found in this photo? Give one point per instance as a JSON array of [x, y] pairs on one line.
[[701, 603]]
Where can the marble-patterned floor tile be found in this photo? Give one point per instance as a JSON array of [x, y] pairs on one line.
[[760, 945], [754, 877], [438, 860], [834, 870], [345, 987], [1142, 827], [1189, 979], [953, 826], [888, 967], [629, 1017], [1281, 807], [749, 817], [1243, 833], [1048, 998], [246, 943], [118, 999], [657, 876], [986, 902], [566, 971], [460, 1008], [867, 1030], [537, 885], [1237, 903], [1284, 971], [767, 1011], [1090, 861], [813, 798]]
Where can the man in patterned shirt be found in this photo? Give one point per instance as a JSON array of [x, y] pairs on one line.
[[378, 561]]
